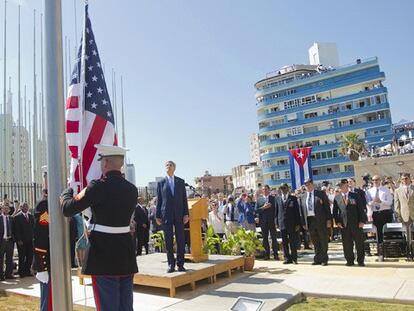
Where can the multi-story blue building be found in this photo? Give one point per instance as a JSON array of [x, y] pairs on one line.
[[311, 105]]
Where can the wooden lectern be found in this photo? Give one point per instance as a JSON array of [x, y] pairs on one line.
[[198, 209]]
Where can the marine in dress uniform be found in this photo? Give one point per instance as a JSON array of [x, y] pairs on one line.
[[110, 259], [41, 258]]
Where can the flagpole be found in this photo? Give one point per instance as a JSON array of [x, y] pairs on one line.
[[35, 155], [4, 93], [58, 225], [123, 115], [19, 162]]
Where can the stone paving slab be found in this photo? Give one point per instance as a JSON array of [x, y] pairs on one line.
[[265, 287]]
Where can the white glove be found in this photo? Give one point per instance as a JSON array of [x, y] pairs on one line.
[[43, 276]]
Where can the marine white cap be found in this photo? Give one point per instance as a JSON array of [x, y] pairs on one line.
[[109, 151]]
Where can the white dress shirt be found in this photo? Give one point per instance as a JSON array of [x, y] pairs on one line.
[[384, 194]]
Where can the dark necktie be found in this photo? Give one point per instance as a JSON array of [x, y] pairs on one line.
[[310, 201], [232, 213], [8, 227]]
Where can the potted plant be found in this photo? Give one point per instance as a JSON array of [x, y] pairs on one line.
[[243, 241], [211, 241], [159, 241], [250, 243], [231, 245]]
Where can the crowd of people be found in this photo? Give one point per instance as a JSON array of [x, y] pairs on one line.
[[316, 214], [312, 215]]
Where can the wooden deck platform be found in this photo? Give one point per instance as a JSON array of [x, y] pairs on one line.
[[153, 271]]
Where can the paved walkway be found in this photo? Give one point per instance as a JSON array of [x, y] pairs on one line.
[[278, 285]]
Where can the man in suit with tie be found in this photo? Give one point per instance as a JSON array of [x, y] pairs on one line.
[[317, 219], [350, 217], [6, 242], [404, 207], [142, 222], [23, 232], [172, 213], [265, 208], [288, 221]]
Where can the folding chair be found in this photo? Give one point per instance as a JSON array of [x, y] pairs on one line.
[[394, 239], [370, 231]]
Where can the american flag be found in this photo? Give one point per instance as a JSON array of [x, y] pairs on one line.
[[89, 115]]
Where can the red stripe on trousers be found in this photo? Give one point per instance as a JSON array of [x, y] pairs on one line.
[[96, 293], [49, 304], [72, 102], [72, 126], [95, 137]]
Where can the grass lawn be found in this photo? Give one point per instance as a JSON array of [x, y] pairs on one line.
[[333, 304], [11, 302]]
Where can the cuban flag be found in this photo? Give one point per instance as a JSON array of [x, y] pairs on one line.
[[300, 166]]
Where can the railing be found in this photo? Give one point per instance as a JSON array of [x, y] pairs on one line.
[[310, 75], [22, 192]]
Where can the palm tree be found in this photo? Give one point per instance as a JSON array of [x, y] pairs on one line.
[[352, 146]]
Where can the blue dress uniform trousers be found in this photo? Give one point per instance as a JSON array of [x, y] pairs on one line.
[[46, 296], [113, 293]]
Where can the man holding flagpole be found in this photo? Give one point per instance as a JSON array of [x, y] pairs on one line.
[[107, 197]]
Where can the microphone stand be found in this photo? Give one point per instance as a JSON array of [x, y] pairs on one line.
[[193, 190]]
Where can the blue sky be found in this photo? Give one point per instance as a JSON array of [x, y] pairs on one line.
[[189, 66]]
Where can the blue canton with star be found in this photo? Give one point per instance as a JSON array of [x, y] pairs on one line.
[[97, 99]]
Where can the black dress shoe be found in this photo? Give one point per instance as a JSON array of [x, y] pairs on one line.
[[10, 277], [324, 264], [276, 258], [2, 278], [266, 258], [287, 262], [361, 264], [170, 270], [349, 264], [315, 263], [182, 269]]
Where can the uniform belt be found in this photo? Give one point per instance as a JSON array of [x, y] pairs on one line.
[[108, 229]]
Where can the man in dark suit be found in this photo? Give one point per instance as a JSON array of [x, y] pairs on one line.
[[361, 193], [288, 221], [172, 213], [317, 218], [350, 217], [142, 222], [265, 208], [6, 242], [23, 232], [110, 259]]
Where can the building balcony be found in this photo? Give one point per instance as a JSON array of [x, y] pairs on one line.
[[332, 101], [338, 71], [316, 178], [324, 87], [326, 147], [333, 130], [315, 163], [326, 117]]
